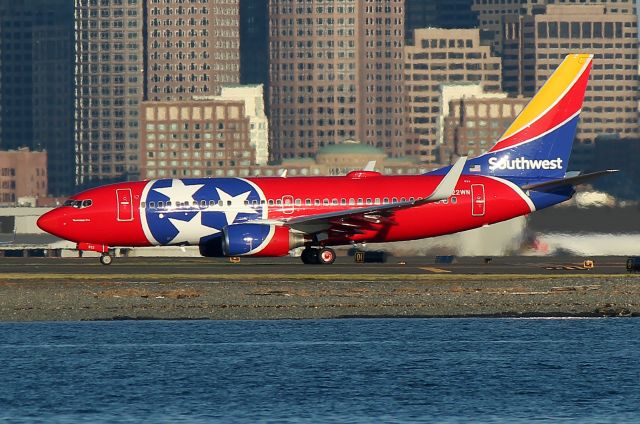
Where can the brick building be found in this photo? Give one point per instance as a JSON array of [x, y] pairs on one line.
[[441, 56], [23, 173], [195, 138]]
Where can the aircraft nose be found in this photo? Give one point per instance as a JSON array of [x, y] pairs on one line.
[[51, 222]]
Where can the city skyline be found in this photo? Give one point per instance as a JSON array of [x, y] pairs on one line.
[[371, 71]]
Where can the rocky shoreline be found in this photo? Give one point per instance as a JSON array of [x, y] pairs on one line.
[[308, 297]]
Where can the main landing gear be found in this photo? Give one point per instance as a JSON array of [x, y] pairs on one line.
[[318, 255]]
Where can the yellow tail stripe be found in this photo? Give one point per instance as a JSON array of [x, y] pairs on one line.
[[556, 85]]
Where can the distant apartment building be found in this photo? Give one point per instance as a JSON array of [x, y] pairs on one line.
[[438, 14], [23, 173], [192, 47], [472, 125], [335, 73], [441, 56], [36, 83], [534, 45], [109, 88], [195, 138], [253, 98]]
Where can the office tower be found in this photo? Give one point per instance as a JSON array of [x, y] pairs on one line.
[[438, 14], [534, 45], [335, 73], [193, 47], [441, 56], [36, 83], [109, 88]]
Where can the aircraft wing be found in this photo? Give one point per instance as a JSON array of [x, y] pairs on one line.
[[564, 182], [378, 213]]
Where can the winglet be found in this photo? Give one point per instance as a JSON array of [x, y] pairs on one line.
[[370, 166], [447, 184]]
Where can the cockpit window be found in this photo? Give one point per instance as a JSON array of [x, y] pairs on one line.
[[79, 204]]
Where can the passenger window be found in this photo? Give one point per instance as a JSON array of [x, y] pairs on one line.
[[377, 201], [403, 199], [394, 200], [334, 201], [168, 204], [411, 199], [352, 201], [203, 203], [298, 202], [360, 202], [212, 203], [228, 202], [317, 202], [307, 201], [143, 205], [160, 203], [262, 202], [385, 201], [278, 201], [220, 202], [454, 200], [152, 205], [369, 201], [325, 202], [343, 201], [246, 202], [271, 201]]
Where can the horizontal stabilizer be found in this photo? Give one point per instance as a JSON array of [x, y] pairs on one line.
[[564, 182]]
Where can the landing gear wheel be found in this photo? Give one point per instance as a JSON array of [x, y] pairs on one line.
[[326, 256], [309, 256], [106, 259]]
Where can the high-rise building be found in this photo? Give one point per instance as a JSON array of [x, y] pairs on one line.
[[534, 45], [438, 14], [441, 56], [109, 88], [36, 80], [491, 14], [192, 48], [335, 73]]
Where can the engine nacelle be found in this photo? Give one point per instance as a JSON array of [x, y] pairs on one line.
[[259, 240]]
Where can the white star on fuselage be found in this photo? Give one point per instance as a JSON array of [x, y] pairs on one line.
[[191, 231], [179, 192], [231, 210]]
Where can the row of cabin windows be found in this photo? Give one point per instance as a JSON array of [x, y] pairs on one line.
[[298, 202]]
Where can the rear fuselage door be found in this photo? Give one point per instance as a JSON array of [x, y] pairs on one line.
[[477, 200]]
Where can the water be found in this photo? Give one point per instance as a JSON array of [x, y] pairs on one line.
[[377, 370]]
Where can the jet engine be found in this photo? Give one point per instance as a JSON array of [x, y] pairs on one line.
[[259, 240]]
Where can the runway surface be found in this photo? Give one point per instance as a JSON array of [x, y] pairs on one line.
[[171, 266]]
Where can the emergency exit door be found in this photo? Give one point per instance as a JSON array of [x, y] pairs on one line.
[[125, 206], [477, 200]]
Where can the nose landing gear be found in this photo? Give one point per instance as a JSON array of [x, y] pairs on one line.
[[106, 259]]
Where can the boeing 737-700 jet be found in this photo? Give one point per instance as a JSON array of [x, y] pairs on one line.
[[524, 171]]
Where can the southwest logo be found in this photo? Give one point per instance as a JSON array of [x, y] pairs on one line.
[[523, 163]]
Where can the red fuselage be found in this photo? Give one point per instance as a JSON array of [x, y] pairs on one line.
[[126, 215]]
